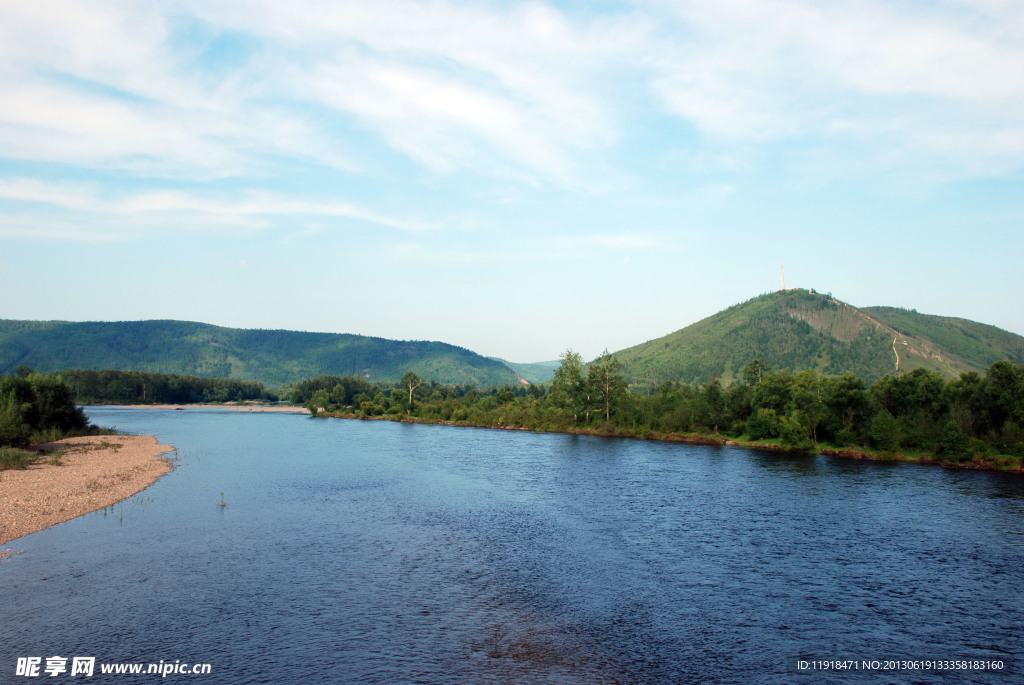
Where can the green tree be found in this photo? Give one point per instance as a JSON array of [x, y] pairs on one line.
[[1004, 384], [710, 406], [772, 392], [793, 431], [14, 428], [952, 442], [503, 396], [966, 400], [755, 371], [847, 402], [54, 407], [411, 381], [570, 385], [763, 424], [807, 403], [604, 375], [321, 400], [885, 431]]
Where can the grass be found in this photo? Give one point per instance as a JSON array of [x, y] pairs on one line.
[[13, 458]]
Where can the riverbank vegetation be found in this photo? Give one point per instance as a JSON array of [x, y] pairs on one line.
[[34, 408], [140, 387], [977, 418]]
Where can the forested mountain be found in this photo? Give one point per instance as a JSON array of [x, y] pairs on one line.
[[798, 329], [273, 357], [794, 329]]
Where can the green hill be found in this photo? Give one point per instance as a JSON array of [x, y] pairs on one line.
[[537, 372], [975, 344], [273, 357], [797, 329]]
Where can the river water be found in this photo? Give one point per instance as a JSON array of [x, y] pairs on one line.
[[358, 552]]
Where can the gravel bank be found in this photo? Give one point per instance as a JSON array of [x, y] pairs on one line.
[[94, 472]]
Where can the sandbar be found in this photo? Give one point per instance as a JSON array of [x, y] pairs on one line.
[[93, 472], [269, 408]]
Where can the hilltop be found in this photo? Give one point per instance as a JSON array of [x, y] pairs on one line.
[[800, 329], [273, 357]]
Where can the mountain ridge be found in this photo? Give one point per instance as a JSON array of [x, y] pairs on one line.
[[271, 356], [795, 329], [803, 329]]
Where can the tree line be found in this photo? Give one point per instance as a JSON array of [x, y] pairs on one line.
[[141, 387], [913, 412], [976, 414]]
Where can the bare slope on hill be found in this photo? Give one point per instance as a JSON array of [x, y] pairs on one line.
[[970, 343], [797, 329]]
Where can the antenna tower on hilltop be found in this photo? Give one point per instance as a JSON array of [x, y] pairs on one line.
[[782, 286]]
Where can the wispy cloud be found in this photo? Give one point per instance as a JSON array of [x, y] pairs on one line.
[[532, 96], [898, 81], [91, 209], [452, 85], [136, 86]]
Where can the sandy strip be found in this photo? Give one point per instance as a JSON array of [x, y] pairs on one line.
[[94, 472], [271, 408]]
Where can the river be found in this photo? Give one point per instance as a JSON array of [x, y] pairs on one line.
[[360, 552]]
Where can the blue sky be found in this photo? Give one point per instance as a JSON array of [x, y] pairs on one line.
[[515, 178]]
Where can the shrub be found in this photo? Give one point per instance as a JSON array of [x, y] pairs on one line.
[[885, 431], [11, 458], [952, 442], [763, 424], [792, 432]]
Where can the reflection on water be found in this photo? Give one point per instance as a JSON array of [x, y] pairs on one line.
[[376, 552]]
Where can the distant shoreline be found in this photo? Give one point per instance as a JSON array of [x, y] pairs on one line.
[[76, 476], [860, 453], [258, 408], [976, 464]]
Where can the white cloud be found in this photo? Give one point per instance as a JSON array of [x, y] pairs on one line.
[[525, 93], [127, 85], [453, 86], [927, 80], [96, 215], [108, 85]]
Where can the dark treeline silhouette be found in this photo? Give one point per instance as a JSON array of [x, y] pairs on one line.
[[138, 387]]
